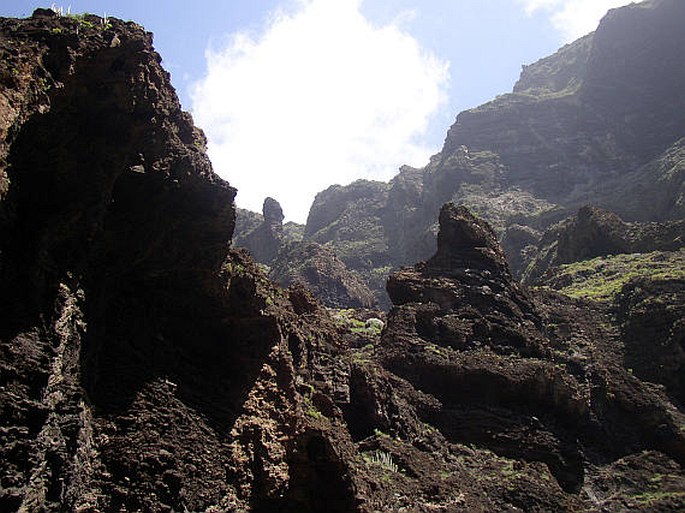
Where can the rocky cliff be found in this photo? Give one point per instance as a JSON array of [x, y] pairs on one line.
[[288, 260], [599, 122], [323, 273], [265, 235], [591, 233], [145, 365]]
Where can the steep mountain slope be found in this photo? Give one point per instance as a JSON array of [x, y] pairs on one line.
[[600, 122], [536, 378], [264, 235], [279, 248], [323, 273], [145, 365]]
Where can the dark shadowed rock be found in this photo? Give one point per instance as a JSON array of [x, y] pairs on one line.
[[469, 277], [138, 351], [510, 370], [520, 245], [266, 240], [651, 315], [272, 212], [464, 242], [146, 365], [263, 236]]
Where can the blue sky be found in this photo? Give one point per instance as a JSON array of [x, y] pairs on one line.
[[296, 95]]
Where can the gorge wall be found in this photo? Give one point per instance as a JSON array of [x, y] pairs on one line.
[[146, 365]]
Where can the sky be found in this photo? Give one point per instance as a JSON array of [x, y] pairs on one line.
[[298, 95]]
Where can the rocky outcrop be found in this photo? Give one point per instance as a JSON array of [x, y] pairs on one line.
[[466, 292], [349, 221], [651, 315], [290, 260], [145, 365], [531, 378], [262, 236], [594, 232], [322, 272]]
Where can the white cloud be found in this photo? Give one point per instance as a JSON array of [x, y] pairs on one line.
[[322, 97], [573, 18]]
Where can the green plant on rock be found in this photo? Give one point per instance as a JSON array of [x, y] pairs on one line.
[[383, 460], [602, 278], [649, 498], [435, 349], [310, 409], [104, 24]]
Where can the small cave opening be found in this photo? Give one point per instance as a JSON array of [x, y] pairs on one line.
[[360, 413]]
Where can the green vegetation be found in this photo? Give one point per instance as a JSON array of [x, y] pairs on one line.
[[345, 319], [440, 351], [649, 498], [601, 278], [310, 409], [383, 460], [85, 19], [380, 434]]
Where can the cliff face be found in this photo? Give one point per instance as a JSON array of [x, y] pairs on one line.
[[135, 346], [571, 138], [533, 377], [591, 233], [264, 236], [289, 260], [599, 123], [145, 365], [323, 273]]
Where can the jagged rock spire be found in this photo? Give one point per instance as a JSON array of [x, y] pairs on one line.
[[272, 211], [466, 242]]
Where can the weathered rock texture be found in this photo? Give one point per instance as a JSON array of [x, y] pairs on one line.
[[143, 365], [349, 221], [147, 366], [322, 272], [540, 379]]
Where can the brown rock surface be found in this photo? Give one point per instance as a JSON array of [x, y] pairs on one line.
[[530, 378], [147, 366], [143, 365], [266, 238]]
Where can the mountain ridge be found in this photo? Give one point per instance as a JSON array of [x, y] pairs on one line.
[[148, 365], [592, 124]]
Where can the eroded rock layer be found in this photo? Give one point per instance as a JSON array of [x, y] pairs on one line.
[[147, 366]]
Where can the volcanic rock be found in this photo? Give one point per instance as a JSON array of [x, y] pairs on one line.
[[594, 232], [533, 378], [145, 365], [322, 272], [266, 239]]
